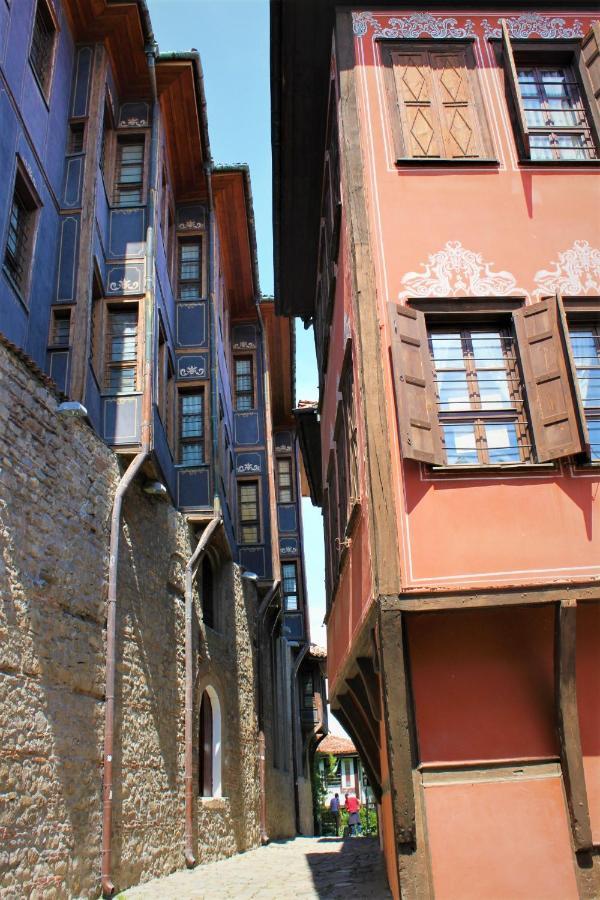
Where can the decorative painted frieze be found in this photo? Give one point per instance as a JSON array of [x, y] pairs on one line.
[[195, 366], [125, 279], [455, 271], [576, 271], [413, 26], [534, 25]]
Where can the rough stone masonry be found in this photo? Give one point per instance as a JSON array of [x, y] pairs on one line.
[[57, 482]]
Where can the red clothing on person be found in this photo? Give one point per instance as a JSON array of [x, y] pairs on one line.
[[352, 805]]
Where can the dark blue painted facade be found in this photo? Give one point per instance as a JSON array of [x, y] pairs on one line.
[[73, 189]]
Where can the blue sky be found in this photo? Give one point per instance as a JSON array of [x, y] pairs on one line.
[[232, 37]]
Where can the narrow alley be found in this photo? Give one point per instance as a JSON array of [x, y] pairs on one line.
[[324, 868]]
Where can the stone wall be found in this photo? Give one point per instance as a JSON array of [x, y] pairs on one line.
[[57, 482]]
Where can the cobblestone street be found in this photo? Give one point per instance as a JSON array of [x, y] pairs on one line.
[[324, 868]]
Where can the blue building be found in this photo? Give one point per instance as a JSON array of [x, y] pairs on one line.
[[129, 274]]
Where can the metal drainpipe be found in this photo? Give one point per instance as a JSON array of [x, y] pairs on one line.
[[132, 470], [295, 715], [190, 571], [262, 611]]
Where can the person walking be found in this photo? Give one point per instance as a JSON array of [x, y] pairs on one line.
[[334, 807], [352, 808]]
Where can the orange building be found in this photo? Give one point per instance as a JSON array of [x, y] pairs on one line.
[[438, 222]]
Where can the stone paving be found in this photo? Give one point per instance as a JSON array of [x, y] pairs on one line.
[[324, 868]]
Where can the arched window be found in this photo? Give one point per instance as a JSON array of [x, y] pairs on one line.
[[209, 768], [208, 593]]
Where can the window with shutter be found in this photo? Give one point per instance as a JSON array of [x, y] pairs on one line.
[[43, 40], [435, 102], [552, 98], [554, 406], [121, 349]]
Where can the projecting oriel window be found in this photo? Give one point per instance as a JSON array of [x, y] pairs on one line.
[[189, 269], [129, 171], [290, 586], [249, 514], [191, 428], [244, 383], [480, 404], [285, 492], [585, 343], [122, 349]]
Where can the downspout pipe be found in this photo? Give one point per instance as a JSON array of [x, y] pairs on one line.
[[212, 319], [127, 479], [190, 572], [295, 717], [262, 778]]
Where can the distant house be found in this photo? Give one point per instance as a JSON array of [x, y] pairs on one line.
[[346, 774]]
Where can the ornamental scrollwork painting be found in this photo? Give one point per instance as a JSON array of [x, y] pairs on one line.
[[124, 286], [533, 24], [248, 467], [455, 271], [413, 26], [132, 122], [192, 371], [190, 225], [576, 271], [244, 345]]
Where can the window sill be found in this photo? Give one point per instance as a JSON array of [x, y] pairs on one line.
[[503, 468], [220, 803], [548, 163], [122, 393], [440, 161]]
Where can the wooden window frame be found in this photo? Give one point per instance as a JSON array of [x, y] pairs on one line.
[[31, 204], [191, 238], [59, 313], [477, 415], [249, 522], [536, 53], [586, 312], [403, 157], [181, 391], [44, 82], [117, 138], [285, 594], [205, 747], [252, 357], [76, 126], [285, 458], [111, 304]]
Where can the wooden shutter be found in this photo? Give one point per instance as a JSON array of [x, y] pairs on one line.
[[459, 119], [416, 402], [589, 70], [550, 380], [510, 71], [416, 102]]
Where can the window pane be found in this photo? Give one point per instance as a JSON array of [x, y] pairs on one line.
[[488, 350], [589, 386], [192, 453], [453, 391], [493, 390], [540, 146], [571, 146], [121, 378], [594, 432], [447, 351], [502, 442], [249, 534], [461, 448]]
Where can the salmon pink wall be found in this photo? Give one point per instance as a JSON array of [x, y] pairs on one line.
[[483, 684], [500, 840], [473, 231]]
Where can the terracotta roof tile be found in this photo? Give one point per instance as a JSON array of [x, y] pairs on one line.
[[336, 745]]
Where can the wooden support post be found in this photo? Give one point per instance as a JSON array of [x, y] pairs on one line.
[[568, 723], [371, 684], [398, 723]]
